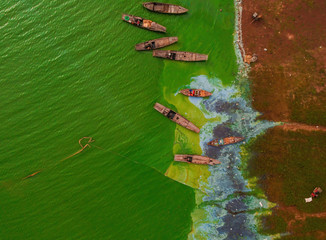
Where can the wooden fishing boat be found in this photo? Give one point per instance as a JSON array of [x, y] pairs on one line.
[[156, 43], [164, 8], [196, 159], [195, 92], [175, 117], [225, 141], [143, 23], [180, 56]]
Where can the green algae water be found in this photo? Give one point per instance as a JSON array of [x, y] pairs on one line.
[[68, 69]]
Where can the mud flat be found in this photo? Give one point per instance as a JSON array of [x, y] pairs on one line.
[[288, 85]]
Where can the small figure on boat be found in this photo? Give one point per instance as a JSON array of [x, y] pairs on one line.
[[195, 92], [143, 23], [225, 141]]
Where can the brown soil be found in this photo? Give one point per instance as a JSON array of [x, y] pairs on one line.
[[288, 85], [288, 80], [289, 165]]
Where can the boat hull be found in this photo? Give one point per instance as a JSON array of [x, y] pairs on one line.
[[156, 43], [195, 92], [196, 159], [180, 56], [164, 8], [175, 117], [225, 141], [143, 23]]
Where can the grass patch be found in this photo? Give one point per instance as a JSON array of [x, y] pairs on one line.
[[289, 165]]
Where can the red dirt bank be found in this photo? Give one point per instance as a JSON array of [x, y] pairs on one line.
[[288, 85], [288, 80]]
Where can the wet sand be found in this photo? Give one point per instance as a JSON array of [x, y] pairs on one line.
[[288, 85]]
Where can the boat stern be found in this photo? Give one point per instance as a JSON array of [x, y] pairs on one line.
[[207, 94], [173, 39], [182, 10], [214, 161], [148, 5], [157, 27], [193, 127], [201, 57], [215, 143], [125, 17], [159, 107], [184, 92]]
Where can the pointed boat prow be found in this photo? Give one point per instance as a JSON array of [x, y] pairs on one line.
[[176, 117]]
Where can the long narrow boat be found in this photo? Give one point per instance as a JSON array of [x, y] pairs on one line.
[[175, 117], [164, 8], [225, 141], [180, 56], [195, 92], [196, 159], [156, 43], [143, 23]]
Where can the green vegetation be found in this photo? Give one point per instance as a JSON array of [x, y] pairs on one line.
[[289, 165]]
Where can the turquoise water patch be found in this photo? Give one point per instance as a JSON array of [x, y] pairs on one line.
[[229, 200]]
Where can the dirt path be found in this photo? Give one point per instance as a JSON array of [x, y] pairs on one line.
[[297, 216], [300, 126], [288, 85]]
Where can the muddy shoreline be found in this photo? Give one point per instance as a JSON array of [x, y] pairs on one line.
[[288, 85]]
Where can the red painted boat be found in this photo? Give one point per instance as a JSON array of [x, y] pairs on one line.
[[225, 141], [195, 92]]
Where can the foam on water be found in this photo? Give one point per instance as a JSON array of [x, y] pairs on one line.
[[230, 205]]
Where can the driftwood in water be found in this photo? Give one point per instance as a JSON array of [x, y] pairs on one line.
[[31, 175], [90, 140]]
